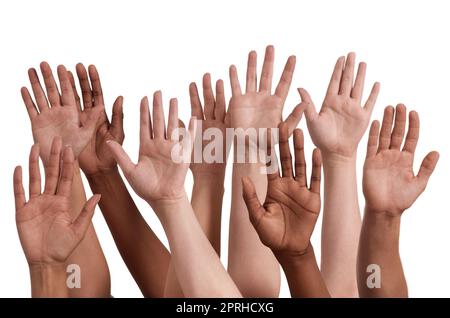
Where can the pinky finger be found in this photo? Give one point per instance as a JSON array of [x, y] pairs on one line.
[[19, 192], [316, 173]]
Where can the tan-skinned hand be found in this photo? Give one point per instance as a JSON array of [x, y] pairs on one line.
[[47, 231], [389, 183]]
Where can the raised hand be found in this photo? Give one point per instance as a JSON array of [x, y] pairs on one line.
[[157, 176], [96, 157], [389, 183], [259, 108], [56, 114], [341, 122], [47, 231], [212, 115], [286, 220]]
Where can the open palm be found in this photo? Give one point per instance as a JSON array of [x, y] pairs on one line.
[[157, 176], [56, 114], [389, 182], [286, 220], [47, 232], [341, 122], [260, 108]]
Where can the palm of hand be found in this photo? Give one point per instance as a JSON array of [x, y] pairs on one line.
[[338, 129], [157, 176], [44, 229], [255, 110], [97, 156], [59, 121], [389, 183], [291, 213]]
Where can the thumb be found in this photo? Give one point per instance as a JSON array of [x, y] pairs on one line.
[[82, 222], [121, 157], [294, 118], [307, 104], [427, 167], [255, 209], [117, 119]]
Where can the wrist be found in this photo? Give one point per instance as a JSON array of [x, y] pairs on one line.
[[338, 160], [169, 206], [48, 280], [293, 259], [102, 174], [382, 215]]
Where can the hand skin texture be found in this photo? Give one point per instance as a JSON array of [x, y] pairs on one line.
[[390, 187], [336, 130], [47, 230], [208, 189], [159, 180], [286, 220], [251, 264], [56, 114], [143, 253]]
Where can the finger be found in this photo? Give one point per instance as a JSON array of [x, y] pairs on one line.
[[208, 96], [335, 81], [272, 159], [370, 103], [145, 131], [308, 105], [65, 182], [159, 125], [74, 89], [220, 109], [121, 157], [398, 133], [255, 209], [50, 85], [29, 104], [52, 169], [282, 89], [386, 127], [251, 73], [285, 153], [358, 88], [83, 221], [19, 191], [34, 172], [196, 105], [67, 96], [372, 141], [192, 129], [316, 172], [39, 95], [86, 91], [427, 167], [412, 137], [299, 153], [294, 118], [173, 118], [265, 84], [347, 75], [117, 119], [97, 91], [234, 81]]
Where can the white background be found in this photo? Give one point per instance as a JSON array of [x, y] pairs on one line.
[[142, 46]]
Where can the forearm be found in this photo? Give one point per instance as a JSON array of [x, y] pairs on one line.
[[207, 196], [196, 264], [251, 264], [340, 226], [48, 281], [303, 274], [88, 255], [206, 201], [143, 253], [379, 250]]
